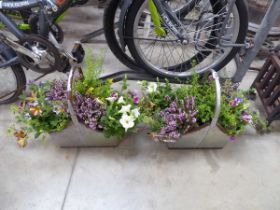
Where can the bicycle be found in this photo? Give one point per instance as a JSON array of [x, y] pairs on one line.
[[168, 29], [227, 22], [33, 43]]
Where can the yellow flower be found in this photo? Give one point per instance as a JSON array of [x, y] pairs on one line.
[[21, 138], [36, 110], [22, 142], [33, 97], [20, 134]]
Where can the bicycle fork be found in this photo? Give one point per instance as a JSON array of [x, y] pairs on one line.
[[168, 18]]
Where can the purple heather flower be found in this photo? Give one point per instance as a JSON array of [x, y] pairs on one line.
[[177, 118], [175, 135], [188, 104], [193, 102], [57, 91], [182, 117], [89, 111]]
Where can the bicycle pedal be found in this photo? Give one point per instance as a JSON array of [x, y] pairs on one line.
[[65, 65], [78, 52]]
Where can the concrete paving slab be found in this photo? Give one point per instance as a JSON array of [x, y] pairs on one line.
[[143, 175], [32, 178], [139, 174]]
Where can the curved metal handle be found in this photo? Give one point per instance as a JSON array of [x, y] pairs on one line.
[[217, 108], [218, 99], [69, 93]]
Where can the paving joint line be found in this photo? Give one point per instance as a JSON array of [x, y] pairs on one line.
[[70, 178]]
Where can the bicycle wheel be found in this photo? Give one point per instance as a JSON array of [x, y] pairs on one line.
[[166, 56], [12, 83], [110, 18]]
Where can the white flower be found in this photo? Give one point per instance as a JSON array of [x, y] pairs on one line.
[[27, 116], [121, 100], [127, 122], [152, 87], [125, 109], [140, 83], [111, 99], [34, 103], [135, 113]]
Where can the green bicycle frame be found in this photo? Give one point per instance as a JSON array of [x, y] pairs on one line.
[[157, 20]]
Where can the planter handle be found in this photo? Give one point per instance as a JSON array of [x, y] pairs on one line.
[[75, 68], [218, 98], [217, 108]]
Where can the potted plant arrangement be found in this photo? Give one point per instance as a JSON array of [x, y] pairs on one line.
[[89, 113], [43, 110], [184, 116]]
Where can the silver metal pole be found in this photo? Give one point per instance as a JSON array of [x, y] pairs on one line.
[[267, 23]]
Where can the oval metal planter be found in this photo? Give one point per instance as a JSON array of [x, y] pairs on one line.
[[81, 136], [206, 137], [77, 134]]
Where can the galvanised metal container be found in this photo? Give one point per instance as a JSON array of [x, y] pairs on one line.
[[77, 134], [208, 136]]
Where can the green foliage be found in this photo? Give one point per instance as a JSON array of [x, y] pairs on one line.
[[113, 115], [91, 85], [234, 117], [38, 115]]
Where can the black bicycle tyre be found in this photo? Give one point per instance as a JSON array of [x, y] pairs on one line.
[[243, 28], [110, 35], [21, 84]]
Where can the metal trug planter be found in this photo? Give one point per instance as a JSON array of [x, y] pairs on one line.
[[77, 134], [208, 136], [73, 136]]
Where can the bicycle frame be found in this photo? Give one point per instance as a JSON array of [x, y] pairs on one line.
[[267, 23], [45, 22]]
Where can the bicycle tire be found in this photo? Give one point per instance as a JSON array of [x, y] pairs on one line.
[[21, 84], [111, 36], [132, 13]]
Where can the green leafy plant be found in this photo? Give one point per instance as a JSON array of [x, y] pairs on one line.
[[101, 108], [42, 111], [166, 107], [122, 113], [91, 85]]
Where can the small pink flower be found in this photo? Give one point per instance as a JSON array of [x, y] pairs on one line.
[[236, 102], [247, 118], [232, 104], [115, 95], [136, 100]]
